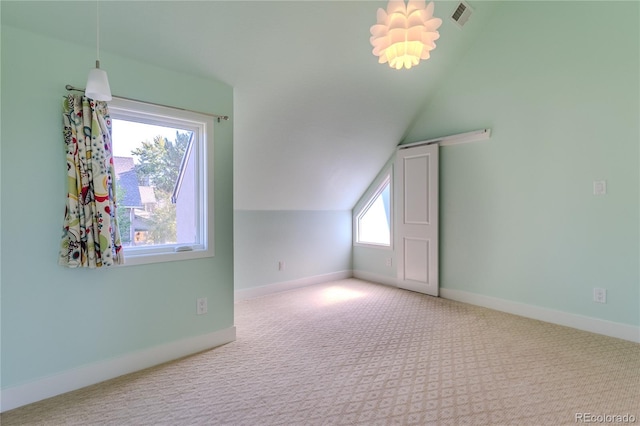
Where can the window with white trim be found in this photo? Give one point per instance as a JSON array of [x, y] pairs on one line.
[[373, 222], [163, 158]]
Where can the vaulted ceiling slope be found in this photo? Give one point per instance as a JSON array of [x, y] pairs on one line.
[[315, 116]]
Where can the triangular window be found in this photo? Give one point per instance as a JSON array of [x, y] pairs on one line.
[[373, 224]]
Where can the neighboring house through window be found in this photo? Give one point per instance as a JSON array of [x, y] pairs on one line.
[[162, 157]]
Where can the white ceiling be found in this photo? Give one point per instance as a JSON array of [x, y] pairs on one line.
[[315, 116]]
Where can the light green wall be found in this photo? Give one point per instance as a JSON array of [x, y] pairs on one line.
[[55, 319], [558, 84], [310, 243]]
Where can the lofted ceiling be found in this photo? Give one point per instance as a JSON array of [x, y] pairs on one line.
[[315, 116]]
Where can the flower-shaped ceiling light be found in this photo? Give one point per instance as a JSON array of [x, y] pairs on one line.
[[405, 34]]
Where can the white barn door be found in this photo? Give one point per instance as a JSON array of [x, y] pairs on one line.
[[416, 228]]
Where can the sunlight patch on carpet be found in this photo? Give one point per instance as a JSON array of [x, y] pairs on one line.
[[338, 294]]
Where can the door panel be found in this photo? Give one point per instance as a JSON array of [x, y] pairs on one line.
[[416, 190], [416, 201], [416, 256]]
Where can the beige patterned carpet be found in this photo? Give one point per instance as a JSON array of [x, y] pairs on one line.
[[351, 352]]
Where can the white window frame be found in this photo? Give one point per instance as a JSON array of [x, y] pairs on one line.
[[202, 126], [382, 181]]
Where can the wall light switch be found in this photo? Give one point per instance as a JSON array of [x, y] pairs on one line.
[[599, 187]]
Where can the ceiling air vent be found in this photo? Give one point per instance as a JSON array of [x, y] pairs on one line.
[[462, 13]]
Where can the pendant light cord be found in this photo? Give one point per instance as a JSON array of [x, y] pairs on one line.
[[97, 33]]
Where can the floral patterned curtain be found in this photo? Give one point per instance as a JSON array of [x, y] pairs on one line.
[[91, 236]]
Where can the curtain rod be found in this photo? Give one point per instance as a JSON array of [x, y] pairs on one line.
[[219, 117]]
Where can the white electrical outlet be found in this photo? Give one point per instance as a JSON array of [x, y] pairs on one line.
[[201, 306], [600, 295], [599, 187], [389, 261]]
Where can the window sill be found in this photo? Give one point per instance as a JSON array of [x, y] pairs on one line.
[[147, 258], [372, 245]]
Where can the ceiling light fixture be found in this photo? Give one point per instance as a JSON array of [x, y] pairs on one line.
[[405, 34], [97, 82]]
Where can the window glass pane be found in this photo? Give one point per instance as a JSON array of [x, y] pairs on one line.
[[374, 224], [155, 184]]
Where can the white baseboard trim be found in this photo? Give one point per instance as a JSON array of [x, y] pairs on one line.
[[581, 322], [70, 380], [251, 293], [380, 279]]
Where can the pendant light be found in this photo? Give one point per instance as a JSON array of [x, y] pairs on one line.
[[97, 82], [405, 33]]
